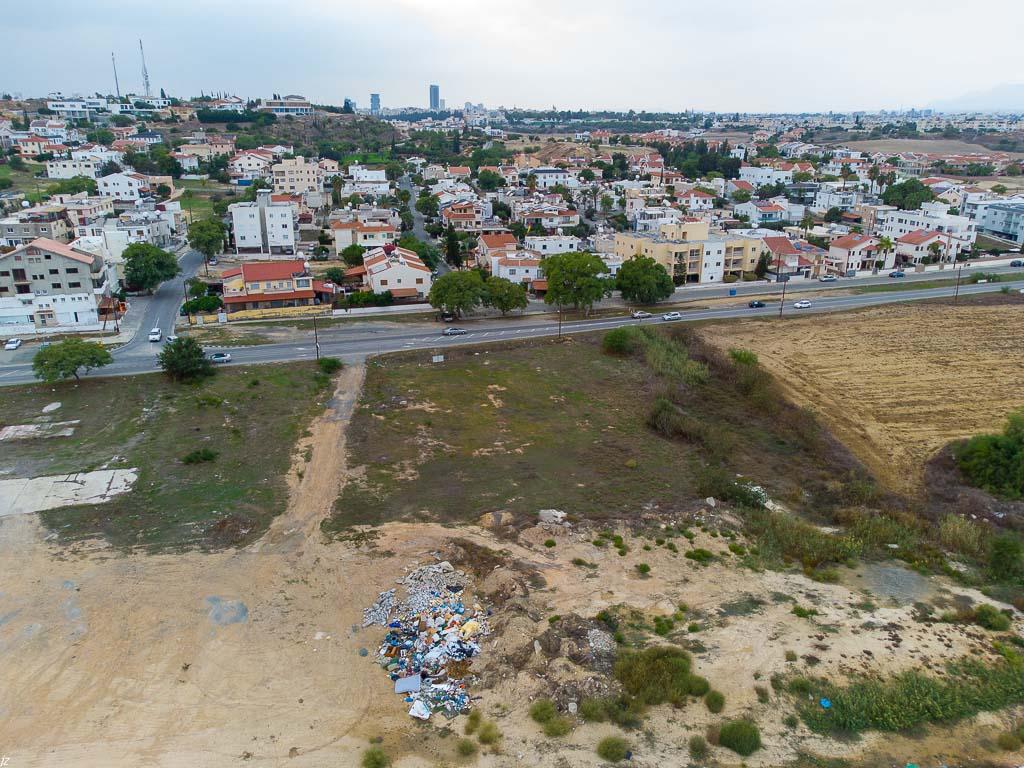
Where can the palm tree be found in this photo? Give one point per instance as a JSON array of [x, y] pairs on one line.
[[885, 245], [807, 222], [873, 174], [935, 249]]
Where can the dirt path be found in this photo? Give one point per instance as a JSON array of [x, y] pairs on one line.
[[195, 659]]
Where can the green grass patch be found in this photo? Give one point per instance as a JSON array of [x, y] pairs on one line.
[[148, 422], [902, 285]]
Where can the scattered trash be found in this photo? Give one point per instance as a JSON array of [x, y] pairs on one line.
[[431, 641], [363, 652], [826, 703], [551, 516]]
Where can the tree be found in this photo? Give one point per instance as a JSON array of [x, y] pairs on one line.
[[807, 222], [336, 191], [642, 280], [146, 266], [207, 237], [163, 191], [885, 246], [761, 268], [110, 167], [66, 358], [833, 215], [907, 195], [586, 175], [335, 274], [935, 249], [184, 360], [353, 254], [488, 181], [452, 248], [427, 204], [458, 292], [575, 279], [606, 203], [73, 186], [504, 295], [741, 196]]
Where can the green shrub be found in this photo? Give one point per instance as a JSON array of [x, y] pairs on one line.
[[592, 711], [668, 419], [698, 747], [466, 747], [741, 736], [619, 341], [1005, 557], [990, 617], [995, 463], [488, 733], [199, 456], [330, 365], [543, 710], [643, 569], [655, 675], [743, 356], [701, 555], [549, 543], [791, 721], [375, 757], [613, 749], [1009, 742], [799, 686], [791, 656], [557, 726], [698, 686], [714, 701], [762, 693], [473, 721], [804, 613]]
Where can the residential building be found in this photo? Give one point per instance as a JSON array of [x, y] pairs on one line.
[[68, 169], [297, 176], [397, 270], [497, 244], [548, 177], [760, 212], [920, 246], [435, 98], [250, 164], [650, 218], [762, 175], [854, 253], [43, 221], [289, 105], [831, 195], [268, 285], [696, 200], [1003, 219], [464, 216], [963, 231], [369, 234], [546, 245], [51, 286], [517, 266], [551, 217], [263, 228], [793, 258], [124, 187]]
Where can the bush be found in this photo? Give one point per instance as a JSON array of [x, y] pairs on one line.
[[791, 656], [698, 747], [619, 341], [375, 757], [472, 722], [465, 747], [330, 365], [592, 711], [714, 701], [557, 726], [995, 463], [762, 693], [741, 736], [613, 749], [743, 356], [1009, 741], [1004, 557], [990, 617], [655, 675], [549, 543], [488, 733], [643, 569], [791, 721], [543, 710], [199, 456]]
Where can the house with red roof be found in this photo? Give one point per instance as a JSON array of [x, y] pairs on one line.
[[697, 200], [368, 234], [494, 245], [732, 186], [267, 285], [793, 257], [920, 246], [397, 270], [854, 253]]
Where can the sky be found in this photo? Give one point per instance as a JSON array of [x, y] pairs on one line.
[[654, 55]]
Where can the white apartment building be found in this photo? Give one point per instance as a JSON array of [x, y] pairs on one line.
[[550, 177], [962, 231], [297, 176], [123, 187], [68, 169], [289, 105], [760, 176], [263, 228], [549, 244], [517, 266], [396, 270]]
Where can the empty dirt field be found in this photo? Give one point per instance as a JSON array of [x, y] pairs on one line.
[[922, 145], [898, 383]]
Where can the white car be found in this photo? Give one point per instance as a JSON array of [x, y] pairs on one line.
[[802, 304], [827, 279], [156, 334], [640, 314], [12, 344], [171, 337], [672, 316]]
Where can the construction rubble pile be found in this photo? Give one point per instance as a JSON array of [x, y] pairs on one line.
[[432, 639]]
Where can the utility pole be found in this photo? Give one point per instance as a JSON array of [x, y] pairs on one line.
[[316, 339], [956, 291], [184, 285], [559, 321], [145, 72], [117, 85], [782, 303]]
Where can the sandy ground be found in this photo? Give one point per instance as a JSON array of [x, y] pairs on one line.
[[34, 494], [251, 657], [951, 146], [897, 383]]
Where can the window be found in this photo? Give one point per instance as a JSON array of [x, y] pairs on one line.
[[74, 285]]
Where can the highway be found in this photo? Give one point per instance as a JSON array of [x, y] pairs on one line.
[[357, 341]]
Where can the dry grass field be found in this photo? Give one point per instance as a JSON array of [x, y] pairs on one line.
[[921, 145], [897, 383]]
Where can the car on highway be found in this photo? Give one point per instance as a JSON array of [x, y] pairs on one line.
[[672, 316], [1017, 263], [156, 334], [170, 337], [12, 344], [802, 304], [453, 332], [755, 304], [827, 279], [639, 314], [220, 357], [897, 273]]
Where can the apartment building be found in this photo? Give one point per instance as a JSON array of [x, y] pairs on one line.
[[963, 232], [1003, 218], [264, 228], [123, 187], [297, 176], [43, 221], [518, 267], [68, 169], [47, 285], [547, 245], [368, 234], [288, 105]]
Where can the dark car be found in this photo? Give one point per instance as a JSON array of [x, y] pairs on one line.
[[897, 273], [1017, 263], [756, 304], [447, 317]]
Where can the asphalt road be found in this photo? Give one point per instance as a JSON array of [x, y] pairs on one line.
[[357, 341], [419, 221]]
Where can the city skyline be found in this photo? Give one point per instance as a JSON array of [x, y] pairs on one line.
[[726, 60]]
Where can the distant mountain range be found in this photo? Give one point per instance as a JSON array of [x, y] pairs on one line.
[[1008, 97]]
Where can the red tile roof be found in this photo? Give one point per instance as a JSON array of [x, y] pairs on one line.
[[243, 298], [918, 237], [272, 270], [853, 240], [502, 240]]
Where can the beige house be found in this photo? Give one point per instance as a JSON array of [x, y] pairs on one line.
[[368, 234], [396, 270], [298, 176]]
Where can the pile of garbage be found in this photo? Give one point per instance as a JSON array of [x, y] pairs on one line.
[[432, 640]]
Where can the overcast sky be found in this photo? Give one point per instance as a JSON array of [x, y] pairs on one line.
[[741, 55]]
